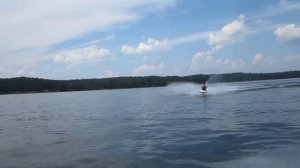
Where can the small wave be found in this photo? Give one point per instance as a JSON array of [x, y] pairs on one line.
[[194, 89], [215, 89], [183, 88], [186, 88]]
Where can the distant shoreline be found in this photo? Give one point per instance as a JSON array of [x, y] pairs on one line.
[[25, 85]]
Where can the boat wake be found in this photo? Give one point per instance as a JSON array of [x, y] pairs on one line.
[[194, 89], [186, 88]]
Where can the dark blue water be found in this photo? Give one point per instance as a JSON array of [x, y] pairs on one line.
[[246, 124]]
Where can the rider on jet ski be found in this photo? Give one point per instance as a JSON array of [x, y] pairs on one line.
[[204, 87]]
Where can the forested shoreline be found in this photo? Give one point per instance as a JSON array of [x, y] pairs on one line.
[[34, 85]]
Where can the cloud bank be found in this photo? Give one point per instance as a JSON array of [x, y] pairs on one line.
[[87, 54], [148, 69], [36, 23], [159, 45], [288, 33], [230, 33]]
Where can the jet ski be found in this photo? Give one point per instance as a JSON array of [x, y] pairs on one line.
[[203, 89]]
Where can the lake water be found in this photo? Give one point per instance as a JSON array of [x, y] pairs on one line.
[[242, 124]]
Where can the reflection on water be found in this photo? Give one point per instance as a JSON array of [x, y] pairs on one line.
[[246, 124]]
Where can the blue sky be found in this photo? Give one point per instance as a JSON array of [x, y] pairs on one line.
[[67, 39]]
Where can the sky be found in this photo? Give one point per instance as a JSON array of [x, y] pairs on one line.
[[76, 39]]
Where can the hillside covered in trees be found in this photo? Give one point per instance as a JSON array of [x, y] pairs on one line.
[[31, 85]]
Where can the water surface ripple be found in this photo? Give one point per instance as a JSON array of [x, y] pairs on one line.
[[243, 124]]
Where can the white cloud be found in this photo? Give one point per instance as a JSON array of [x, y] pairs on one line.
[[110, 74], [26, 69], [288, 33], [230, 33], [150, 45], [204, 62], [158, 45], [148, 69], [289, 5], [190, 38], [201, 57], [35, 23], [270, 60], [276, 9], [86, 54], [260, 59], [257, 58], [128, 49]]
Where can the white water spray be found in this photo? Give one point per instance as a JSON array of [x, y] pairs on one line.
[[194, 89]]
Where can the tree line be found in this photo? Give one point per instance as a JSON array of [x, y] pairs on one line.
[[30, 85]]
